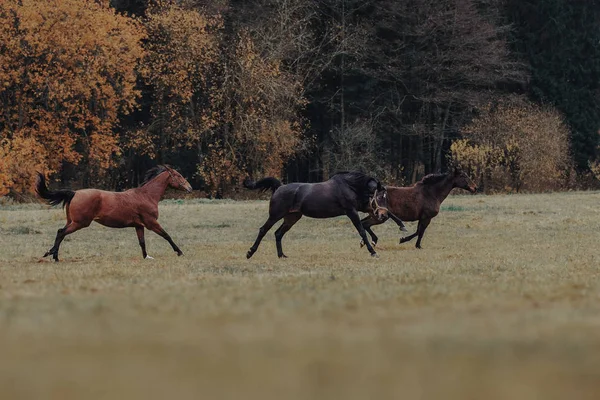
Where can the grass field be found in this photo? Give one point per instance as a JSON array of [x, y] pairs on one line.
[[503, 302]]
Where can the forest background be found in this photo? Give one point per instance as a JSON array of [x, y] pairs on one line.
[[93, 93]]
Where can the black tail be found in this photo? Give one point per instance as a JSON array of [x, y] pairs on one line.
[[264, 184], [52, 197]]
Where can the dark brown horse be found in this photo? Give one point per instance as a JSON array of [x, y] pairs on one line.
[[137, 208], [346, 193], [420, 202]]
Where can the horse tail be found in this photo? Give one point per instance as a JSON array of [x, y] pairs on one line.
[[264, 184], [52, 197]]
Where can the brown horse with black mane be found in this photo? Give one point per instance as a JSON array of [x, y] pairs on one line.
[[137, 208], [420, 202]]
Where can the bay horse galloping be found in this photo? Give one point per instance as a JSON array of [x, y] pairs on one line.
[[137, 208], [346, 193], [420, 202]]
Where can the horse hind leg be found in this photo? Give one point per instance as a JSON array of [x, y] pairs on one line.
[[262, 231], [288, 222], [60, 236]]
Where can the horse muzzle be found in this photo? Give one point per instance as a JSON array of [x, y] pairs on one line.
[[473, 189], [381, 215]]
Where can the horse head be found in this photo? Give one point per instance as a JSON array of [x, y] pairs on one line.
[[461, 180], [378, 202], [177, 181]]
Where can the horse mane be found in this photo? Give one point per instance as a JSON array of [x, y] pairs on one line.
[[358, 182], [433, 178], [153, 173]]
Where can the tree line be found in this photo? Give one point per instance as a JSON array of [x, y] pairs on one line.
[[94, 92]]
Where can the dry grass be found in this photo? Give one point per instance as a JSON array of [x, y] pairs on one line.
[[502, 303]]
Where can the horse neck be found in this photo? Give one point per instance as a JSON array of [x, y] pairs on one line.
[[442, 189], [156, 187]]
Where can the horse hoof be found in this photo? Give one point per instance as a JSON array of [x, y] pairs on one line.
[[149, 258], [375, 255], [179, 254], [249, 254], [283, 256], [362, 244], [402, 240]]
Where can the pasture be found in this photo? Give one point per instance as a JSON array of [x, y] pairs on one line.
[[503, 302]]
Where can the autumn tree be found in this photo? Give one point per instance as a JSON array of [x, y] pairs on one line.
[[68, 69], [218, 93], [515, 145], [182, 66]]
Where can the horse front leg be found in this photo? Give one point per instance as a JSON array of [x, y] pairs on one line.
[[155, 227], [398, 222], [420, 232], [423, 224], [354, 217], [366, 223], [409, 237]]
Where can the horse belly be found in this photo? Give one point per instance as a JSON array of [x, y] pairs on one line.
[[112, 222], [321, 212]]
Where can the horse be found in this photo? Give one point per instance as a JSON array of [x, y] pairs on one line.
[[137, 208], [420, 202], [345, 193]]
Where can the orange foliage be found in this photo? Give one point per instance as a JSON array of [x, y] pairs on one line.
[[182, 55], [68, 69], [238, 108], [261, 113]]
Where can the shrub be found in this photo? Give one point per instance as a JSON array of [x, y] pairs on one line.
[[515, 145]]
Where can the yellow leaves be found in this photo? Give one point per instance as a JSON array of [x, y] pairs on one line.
[[183, 47], [515, 144], [139, 141], [20, 158], [227, 99]]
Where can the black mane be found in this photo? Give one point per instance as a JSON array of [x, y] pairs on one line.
[[358, 182], [433, 178], [153, 173]]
